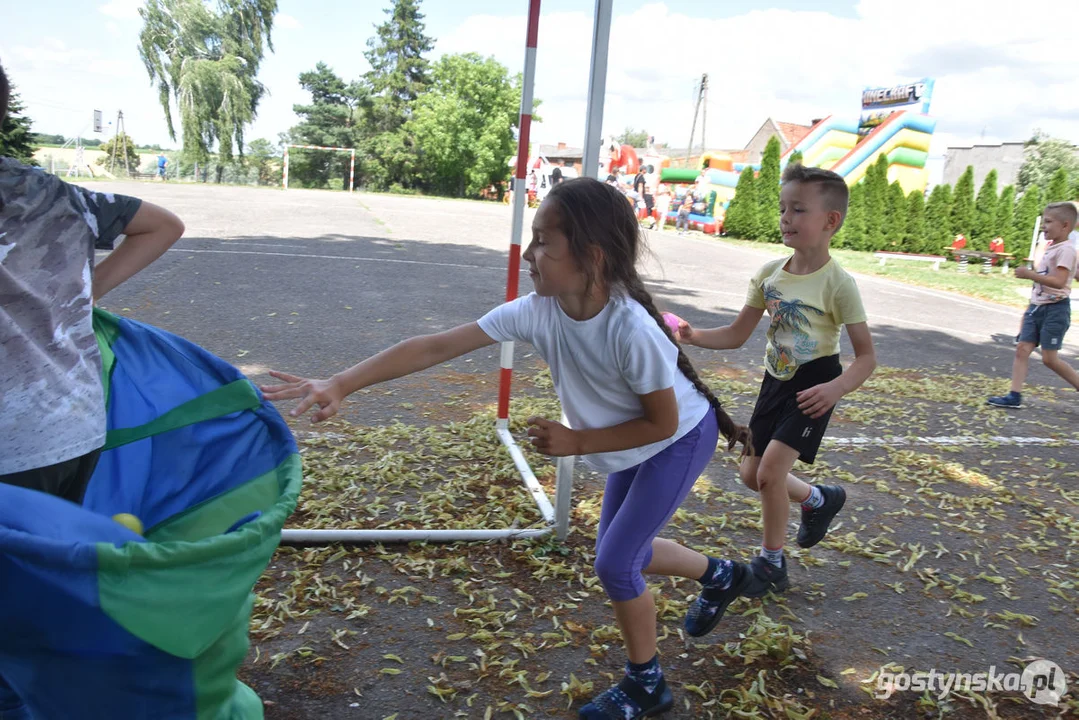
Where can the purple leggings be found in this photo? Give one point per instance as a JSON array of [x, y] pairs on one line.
[[639, 501]]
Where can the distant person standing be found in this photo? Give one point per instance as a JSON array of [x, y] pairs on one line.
[[643, 190], [663, 203], [681, 223], [556, 174], [162, 167]]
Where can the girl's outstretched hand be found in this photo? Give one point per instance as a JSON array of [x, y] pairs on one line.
[[552, 438], [324, 393]]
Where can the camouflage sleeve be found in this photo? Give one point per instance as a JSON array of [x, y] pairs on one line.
[[106, 214]]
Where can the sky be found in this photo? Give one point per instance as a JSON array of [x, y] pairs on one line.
[[999, 75]]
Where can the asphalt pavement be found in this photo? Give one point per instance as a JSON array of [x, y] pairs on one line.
[[312, 281]]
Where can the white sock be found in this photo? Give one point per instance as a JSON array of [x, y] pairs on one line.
[[773, 556], [815, 499]]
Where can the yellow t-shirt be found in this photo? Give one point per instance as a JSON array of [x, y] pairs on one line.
[[807, 312]]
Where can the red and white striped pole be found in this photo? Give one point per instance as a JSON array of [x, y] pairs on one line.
[[520, 197], [351, 169], [284, 170]]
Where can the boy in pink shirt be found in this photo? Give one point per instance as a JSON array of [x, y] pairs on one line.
[[1049, 315]]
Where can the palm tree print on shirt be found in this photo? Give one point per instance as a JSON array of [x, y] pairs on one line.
[[791, 345]]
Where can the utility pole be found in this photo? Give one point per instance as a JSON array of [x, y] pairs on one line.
[[702, 92], [704, 111], [120, 136]]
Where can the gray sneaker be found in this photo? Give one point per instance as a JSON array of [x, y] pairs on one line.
[[767, 577]]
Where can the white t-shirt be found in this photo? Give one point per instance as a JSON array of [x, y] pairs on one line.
[[601, 365]]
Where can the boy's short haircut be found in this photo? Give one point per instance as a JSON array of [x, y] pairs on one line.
[[1065, 211], [832, 187], [5, 90]]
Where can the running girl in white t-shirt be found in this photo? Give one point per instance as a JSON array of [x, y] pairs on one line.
[[636, 410]]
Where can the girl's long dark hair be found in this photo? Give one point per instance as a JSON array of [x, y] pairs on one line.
[[594, 214]]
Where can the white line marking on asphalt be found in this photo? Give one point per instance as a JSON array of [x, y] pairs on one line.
[[872, 316], [907, 289], [338, 257], [273, 245], [674, 289], [952, 440]]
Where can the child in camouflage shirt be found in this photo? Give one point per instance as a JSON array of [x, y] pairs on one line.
[[52, 403]]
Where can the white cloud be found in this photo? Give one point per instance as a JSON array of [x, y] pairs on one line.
[[121, 9], [998, 73], [113, 28], [54, 57], [282, 20]]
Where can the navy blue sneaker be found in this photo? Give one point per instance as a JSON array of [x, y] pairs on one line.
[[1011, 400], [628, 701], [815, 522], [707, 610]]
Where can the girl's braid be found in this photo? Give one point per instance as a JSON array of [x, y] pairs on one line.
[[732, 431]]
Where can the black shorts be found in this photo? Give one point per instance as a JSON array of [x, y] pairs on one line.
[[777, 417], [67, 479], [1046, 325], [649, 202]]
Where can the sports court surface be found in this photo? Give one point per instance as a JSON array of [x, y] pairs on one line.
[[956, 550]]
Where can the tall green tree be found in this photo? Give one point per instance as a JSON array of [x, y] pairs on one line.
[[767, 186], [985, 213], [896, 230], [265, 158], [634, 138], [1042, 157], [916, 239], [1027, 211], [16, 139], [1005, 220], [938, 218], [464, 125], [741, 218], [399, 73], [123, 144], [206, 57], [1059, 188], [852, 234], [963, 204], [333, 118], [876, 205]]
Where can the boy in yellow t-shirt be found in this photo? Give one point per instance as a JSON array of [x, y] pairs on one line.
[[809, 298]]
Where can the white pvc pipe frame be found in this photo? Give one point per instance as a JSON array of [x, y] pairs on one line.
[[556, 517]]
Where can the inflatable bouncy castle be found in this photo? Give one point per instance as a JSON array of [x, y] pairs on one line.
[[98, 621], [894, 123]]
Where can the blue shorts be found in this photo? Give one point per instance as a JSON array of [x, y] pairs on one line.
[[1045, 325]]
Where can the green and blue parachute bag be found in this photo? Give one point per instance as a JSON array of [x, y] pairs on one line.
[[99, 622]]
